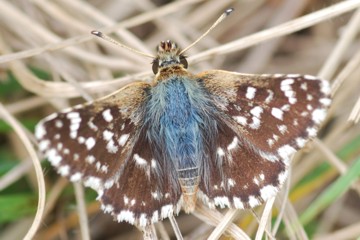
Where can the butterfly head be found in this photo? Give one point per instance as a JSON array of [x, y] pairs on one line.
[[168, 53]]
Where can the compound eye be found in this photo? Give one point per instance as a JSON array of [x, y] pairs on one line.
[[155, 66], [183, 61]]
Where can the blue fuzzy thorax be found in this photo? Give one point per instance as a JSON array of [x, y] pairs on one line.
[[179, 120]]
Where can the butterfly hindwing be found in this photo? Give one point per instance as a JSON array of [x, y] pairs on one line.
[[90, 142], [143, 193], [237, 176]]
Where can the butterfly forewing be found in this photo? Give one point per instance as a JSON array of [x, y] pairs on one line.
[[266, 119], [91, 142], [275, 113]]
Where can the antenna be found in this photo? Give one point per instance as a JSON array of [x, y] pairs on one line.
[[109, 39], [219, 20]]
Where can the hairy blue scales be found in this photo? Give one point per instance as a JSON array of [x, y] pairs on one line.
[[178, 112]]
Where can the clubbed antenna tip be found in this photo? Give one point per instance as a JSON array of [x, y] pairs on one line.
[[219, 20]]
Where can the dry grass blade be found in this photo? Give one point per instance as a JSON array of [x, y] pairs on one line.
[[38, 170], [281, 30], [265, 220], [81, 207], [224, 223]]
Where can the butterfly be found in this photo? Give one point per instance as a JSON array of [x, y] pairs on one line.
[[152, 149]]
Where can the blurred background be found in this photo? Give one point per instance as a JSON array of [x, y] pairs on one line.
[[50, 61]]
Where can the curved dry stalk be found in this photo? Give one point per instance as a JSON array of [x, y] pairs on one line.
[[36, 163], [347, 37]]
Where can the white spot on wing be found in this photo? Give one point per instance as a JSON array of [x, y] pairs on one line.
[[255, 123], [92, 126], [64, 170], [127, 216], [256, 181], [250, 92], [53, 157], [292, 100], [143, 220], [81, 140], [109, 183], [40, 131], [309, 77], [270, 142], [59, 146], [126, 200], [233, 144], [123, 138], [107, 115], [104, 168], [76, 177], [262, 177], [303, 86], [300, 142], [93, 182], [287, 81], [110, 146], [50, 117], [43, 145], [270, 97], [282, 129], [72, 115], [107, 135], [286, 107], [275, 137], [318, 115], [277, 113], [74, 126], [231, 182], [311, 131], [59, 124], [325, 87], [220, 152], [222, 202], [241, 120], [139, 160], [90, 143], [256, 111], [153, 163], [155, 217], [253, 202], [282, 177], [90, 159], [267, 192], [107, 208], [286, 151], [325, 101], [268, 156], [166, 211]]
